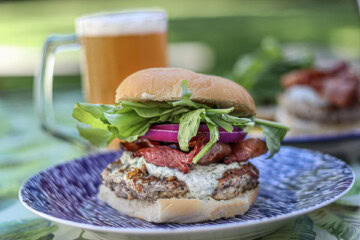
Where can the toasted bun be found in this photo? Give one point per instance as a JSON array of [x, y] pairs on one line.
[[163, 84], [180, 210]]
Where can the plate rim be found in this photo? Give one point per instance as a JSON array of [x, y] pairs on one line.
[[182, 230]]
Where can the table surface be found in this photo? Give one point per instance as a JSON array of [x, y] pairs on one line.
[[25, 150]]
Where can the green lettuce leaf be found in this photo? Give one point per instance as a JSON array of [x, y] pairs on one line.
[[96, 110], [91, 114], [96, 136]]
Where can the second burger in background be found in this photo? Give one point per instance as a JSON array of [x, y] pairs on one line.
[[320, 101]]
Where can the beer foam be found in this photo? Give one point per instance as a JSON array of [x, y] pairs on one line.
[[122, 23]]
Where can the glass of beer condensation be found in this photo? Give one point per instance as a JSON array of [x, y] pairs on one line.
[[113, 46]]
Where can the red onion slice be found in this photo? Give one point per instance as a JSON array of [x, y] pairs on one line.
[[175, 127], [227, 137], [162, 135], [171, 135]]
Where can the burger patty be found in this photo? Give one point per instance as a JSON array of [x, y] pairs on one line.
[[136, 183]]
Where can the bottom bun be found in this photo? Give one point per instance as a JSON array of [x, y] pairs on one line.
[[180, 210]]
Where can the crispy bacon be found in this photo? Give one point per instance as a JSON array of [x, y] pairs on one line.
[[310, 77], [138, 144], [216, 154], [244, 150], [165, 156], [338, 85]]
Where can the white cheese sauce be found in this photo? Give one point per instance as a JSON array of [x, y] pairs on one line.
[[128, 161], [201, 180]]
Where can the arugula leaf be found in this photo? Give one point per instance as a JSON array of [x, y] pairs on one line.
[[219, 111], [214, 137], [152, 105], [189, 103], [220, 122], [180, 111], [148, 110], [188, 128], [185, 92], [236, 121], [185, 98], [274, 133]]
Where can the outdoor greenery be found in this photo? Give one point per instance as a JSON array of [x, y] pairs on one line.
[[231, 28], [260, 71]]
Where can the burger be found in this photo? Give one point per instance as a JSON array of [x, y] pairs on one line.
[[185, 155], [320, 101]]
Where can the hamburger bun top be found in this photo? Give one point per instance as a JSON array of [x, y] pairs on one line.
[[163, 85]]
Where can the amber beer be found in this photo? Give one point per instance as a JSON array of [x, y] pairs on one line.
[[117, 45]]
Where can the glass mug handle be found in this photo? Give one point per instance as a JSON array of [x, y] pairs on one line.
[[43, 88]]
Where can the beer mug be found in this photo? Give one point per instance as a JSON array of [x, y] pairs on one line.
[[113, 46]]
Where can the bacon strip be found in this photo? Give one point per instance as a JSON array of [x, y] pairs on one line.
[[138, 144], [165, 156], [216, 154], [310, 77], [244, 150]]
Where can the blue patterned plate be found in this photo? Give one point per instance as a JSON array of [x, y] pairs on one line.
[[294, 182]]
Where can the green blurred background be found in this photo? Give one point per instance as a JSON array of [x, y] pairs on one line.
[[229, 27]]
